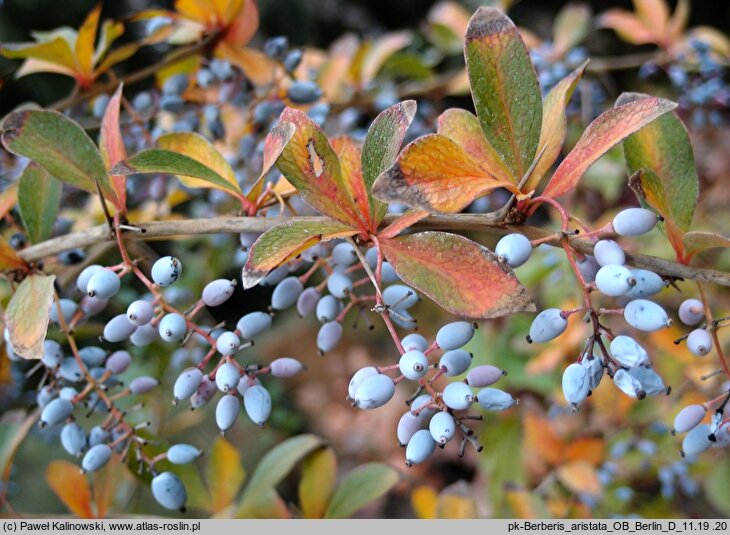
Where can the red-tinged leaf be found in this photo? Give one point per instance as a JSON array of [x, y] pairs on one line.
[[607, 130], [39, 198], [274, 144], [408, 219], [243, 27], [59, 145], [319, 476], [225, 474], [257, 67], [286, 241], [651, 192], [28, 313], [111, 144], [463, 127], [696, 241], [14, 428], [104, 487], [9, 259], [664, 148], [381, 147], [71, 487], [8, 199], [460, 275], [363, 485], [627, 26], [433, 173], [554, 126], [504, 86], [570, 28], [311, 165], [85, 42], [350, 154], [678, 21]]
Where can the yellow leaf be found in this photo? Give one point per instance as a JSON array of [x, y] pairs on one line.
[[319, 475], [225, 474], [8, 199], [524, 504], [71, 487], [589, 449], [423, 501], [27, 315], [85, 42], [196, 10], [454, 502], [257, 67]]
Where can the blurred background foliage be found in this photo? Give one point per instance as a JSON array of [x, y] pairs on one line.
[[613, 458]]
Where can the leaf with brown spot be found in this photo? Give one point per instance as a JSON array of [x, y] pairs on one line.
[[311, 165], [71, 487], [274, 144], [111, 144], [607, 130], [504, 87], [554, 126], [28, 313], [433, 173], [463, 127], [286, 241], [460, 275], [381, 147]]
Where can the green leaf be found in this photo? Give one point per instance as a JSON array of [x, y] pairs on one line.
[[554, 126], [274, 467], [225, 474], [284, 242], [664, 148], [504, 86], [717, 486], [28, 313], [60, 146], [319, 475], [201, 150], [607, 130], [363, 485], [696, 241], [381, 147], [174, 163], [460, 275], [39, 198]]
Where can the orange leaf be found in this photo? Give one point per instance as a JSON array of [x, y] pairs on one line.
[[627, 26], [460, 275], [607, 130], [85, 42], [9, 259], [257, 67], [524, 504], [379, 51], [434, 173], [311, 165], [411, 217], [540, 439], [463, 127], [71, 487], [654, 14], [579, 477], [111, 145], [589, 449], [197, 10], [8, 199]]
